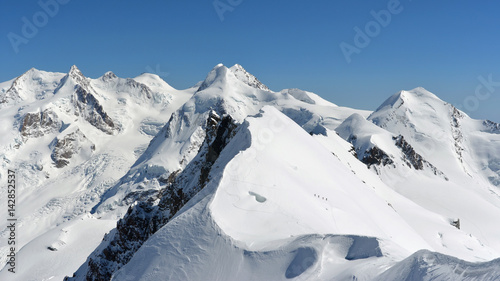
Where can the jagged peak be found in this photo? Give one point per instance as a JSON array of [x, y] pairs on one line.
[[108, 76], [74, 70], [247, 78], [237, 67], [220, 72], [77, 76]]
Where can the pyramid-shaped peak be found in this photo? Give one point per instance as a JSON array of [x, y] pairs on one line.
[[247, 78], [76, 75], [74, 71], [237, 67], [221, 73], [30, 73], [32, 70], [33, 74], [108, 76]]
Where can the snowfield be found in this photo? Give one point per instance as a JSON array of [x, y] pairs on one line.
[[131, 179]]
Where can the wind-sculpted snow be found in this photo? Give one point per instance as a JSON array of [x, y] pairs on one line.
[[425, 265], [226, 232]]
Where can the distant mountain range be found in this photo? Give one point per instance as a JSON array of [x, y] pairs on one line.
[[131, 179]]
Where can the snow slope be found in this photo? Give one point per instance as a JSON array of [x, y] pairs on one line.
[[462, 148], [231, 91], [254, 222]]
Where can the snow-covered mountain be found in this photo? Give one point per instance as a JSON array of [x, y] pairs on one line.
[[229, 180]]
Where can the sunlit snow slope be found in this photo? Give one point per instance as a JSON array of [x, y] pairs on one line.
[[280, 206]]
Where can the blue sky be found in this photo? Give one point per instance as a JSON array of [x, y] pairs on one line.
[[445, 46]]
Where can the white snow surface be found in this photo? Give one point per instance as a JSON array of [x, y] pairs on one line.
[[287, 198], [276, 212]]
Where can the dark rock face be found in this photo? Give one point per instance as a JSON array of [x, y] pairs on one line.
[[457, 132], [38, 124], [108, 76], [87, 106], [248, 78], [147, 217], [10, 95], [412, 158], [372, 156], [376, 156], [85, 103], [144, 90], [491, 127], [68, 146]]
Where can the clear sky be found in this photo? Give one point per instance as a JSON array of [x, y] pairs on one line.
[[444, 46]]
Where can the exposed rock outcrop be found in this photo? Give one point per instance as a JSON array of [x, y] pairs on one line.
[[38, 124], [68, 146], [87, 106]]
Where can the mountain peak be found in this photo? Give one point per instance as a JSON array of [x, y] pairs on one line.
[[410, 97], [237, 67], [247, 78], [218, 73], [74, 70], [77, 75], [419, 92], [32, 84], [28, 74], [108, 76]]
